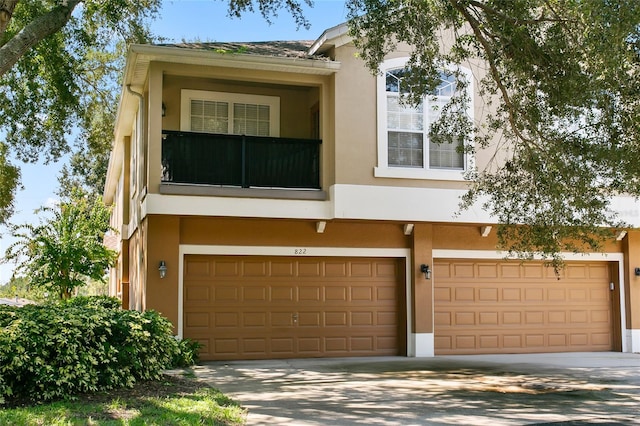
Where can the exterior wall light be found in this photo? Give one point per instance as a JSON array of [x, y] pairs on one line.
[[162, 269], [426, 271]]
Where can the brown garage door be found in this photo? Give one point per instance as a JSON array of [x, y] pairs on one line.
[[509, 307], [255, 307]]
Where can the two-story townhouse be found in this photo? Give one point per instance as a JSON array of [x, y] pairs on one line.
[[276, 200]]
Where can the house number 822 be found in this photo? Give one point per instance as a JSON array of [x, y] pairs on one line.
[[300, 251]]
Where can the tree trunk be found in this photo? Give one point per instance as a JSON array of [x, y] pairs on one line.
[[6, 12], [34, 32]]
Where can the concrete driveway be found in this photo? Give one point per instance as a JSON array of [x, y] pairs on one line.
[[561, 389]]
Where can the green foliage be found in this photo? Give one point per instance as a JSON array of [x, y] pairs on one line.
[[64, 250], [66, 77], [561, 85], [94, 302], [9, 180], [83, 345], [21, 287], [65, 80], [186, 353]]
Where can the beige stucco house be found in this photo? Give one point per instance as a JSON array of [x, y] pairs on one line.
[[274, 200]]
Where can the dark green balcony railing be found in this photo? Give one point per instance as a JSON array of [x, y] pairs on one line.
[[244, 161]]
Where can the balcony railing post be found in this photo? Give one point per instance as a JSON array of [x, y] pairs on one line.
[[244, 162]]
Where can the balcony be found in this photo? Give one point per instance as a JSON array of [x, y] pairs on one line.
[[242, 162]]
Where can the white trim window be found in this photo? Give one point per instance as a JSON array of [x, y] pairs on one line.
[[229, 113], [404, 148]]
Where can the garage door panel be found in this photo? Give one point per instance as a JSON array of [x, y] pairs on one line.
[[512, 341], [197, 268], [226, 294], [336, 293], [197, 320], [309, 269], [361, 269], [531, 314], [198, 293], [282, 294], [309, 319], [310, 294], [309, 345], [257, 345], [254, 319], [226, 269], [335, 269], [254, 269], [359, 294], [226, 319], [282, 345], [278, 307], [257, 294]]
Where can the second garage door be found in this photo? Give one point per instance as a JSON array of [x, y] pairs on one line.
[[509, 307], [257, 307]]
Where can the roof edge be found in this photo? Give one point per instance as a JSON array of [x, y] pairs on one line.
[[328, 38]]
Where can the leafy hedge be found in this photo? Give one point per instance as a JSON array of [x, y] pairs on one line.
[[84, 345]]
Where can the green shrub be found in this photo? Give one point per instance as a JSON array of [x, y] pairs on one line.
[[89, 344], [186, 353], [94, 302]]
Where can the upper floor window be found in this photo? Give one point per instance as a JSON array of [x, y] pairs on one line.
[[230, 113], [404, 147]]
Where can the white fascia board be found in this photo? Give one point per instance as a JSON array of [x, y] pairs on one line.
[[182, 55], [185, 205], [404, 204], [358, 202], [432, 205], [335, 36]]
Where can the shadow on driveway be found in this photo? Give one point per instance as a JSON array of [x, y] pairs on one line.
[[559, 389]]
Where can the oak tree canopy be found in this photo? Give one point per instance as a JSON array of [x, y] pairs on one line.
[[564, 81]]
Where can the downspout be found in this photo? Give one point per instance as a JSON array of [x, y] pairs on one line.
[[139, 255]]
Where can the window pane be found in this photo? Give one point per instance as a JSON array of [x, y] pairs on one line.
[[403, 117], [394, 80], [251, 119], [196, 124], [405, 149], [447, 86], [209, 116], [446, 156]]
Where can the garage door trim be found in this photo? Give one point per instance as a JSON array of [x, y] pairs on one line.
[[290, 251], [588, 257]]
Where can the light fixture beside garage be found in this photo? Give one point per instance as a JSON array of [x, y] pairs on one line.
[[162, 269], [426, 271]]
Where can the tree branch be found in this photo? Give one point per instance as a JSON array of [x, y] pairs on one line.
[[493, 12], [38, 29], [476, 26]]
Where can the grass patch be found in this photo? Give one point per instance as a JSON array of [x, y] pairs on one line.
[[170, 401]]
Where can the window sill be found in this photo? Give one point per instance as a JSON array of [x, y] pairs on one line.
[[416, 173]]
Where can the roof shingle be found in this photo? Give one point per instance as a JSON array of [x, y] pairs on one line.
[[285, 49]]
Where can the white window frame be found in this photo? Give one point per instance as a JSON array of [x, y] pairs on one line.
[[187, 95], [383, 169]]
